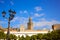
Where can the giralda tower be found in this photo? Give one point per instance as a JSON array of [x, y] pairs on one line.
[[30, 24]]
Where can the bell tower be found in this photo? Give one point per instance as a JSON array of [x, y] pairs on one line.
[[30, 24]]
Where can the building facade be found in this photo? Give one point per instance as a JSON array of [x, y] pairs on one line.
[[56, 27], [22, 29]]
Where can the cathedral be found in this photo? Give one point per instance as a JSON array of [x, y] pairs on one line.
[[29, 31], [29, 26], [22, 31]]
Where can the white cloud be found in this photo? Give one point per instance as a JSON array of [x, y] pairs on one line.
[[46, 23], [21, 20], [44, 29], [42, 19], [2, 22], [16, 18], [38, 15], [21, 11], [25, 11], [16, 26], [38, 8]]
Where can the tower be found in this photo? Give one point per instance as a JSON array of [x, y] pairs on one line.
[[22, 28], [30, 24]]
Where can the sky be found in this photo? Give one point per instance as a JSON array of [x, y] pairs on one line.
[[44, 13]]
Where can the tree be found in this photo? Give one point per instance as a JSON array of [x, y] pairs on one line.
[[19, 38], [44, 36], [55, 34], [33, 37], [12, 36], [49, 36], [2, 35], [27, 37], [39, 36], [22, 38]]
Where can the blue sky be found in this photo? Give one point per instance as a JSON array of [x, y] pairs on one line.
[[44, 13]]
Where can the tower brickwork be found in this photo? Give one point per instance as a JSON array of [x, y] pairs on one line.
[[30, 24]]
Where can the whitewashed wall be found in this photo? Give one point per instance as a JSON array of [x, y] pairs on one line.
[[25, 33]]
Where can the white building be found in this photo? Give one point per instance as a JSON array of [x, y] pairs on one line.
[[27, 33]]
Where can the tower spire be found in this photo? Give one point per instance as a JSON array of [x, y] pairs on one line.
[[30, 24], [30, 20]]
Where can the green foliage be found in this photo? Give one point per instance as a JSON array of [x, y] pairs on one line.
[[2, 35], [39, 36], [27, 37], [13, 36], [19, 38], [34, 37], [22, 38], [54, 35]]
